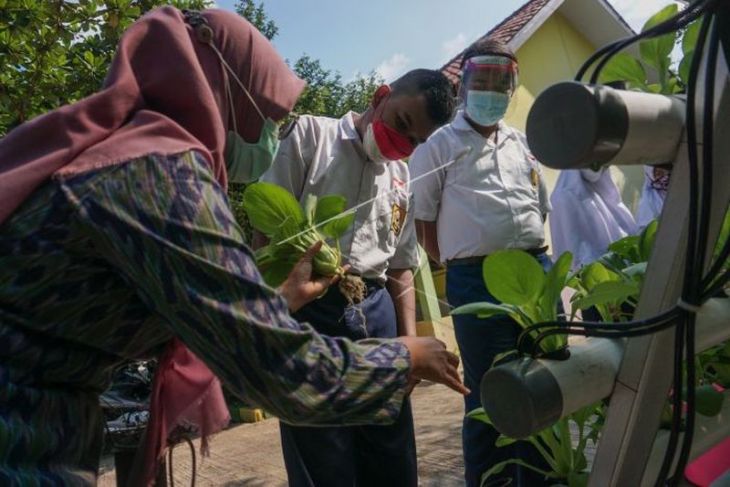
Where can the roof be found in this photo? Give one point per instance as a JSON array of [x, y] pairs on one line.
[[504, 32], [523, 22]]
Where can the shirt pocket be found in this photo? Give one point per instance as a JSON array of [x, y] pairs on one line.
[[392, 219]]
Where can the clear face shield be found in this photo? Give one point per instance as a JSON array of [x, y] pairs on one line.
[[490, 73], [487, 84]]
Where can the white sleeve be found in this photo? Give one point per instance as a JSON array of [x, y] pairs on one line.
[[427, 180], [293, 159]]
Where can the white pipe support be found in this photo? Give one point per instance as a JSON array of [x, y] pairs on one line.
[[573, 125], [525, 396]]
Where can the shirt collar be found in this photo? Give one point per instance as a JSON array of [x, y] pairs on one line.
[[460, 123], [347, 128]]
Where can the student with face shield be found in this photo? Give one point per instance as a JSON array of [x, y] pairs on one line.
[[117, 243], [478, 190]]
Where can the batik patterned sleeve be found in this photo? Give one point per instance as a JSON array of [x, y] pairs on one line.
[[164, 224]]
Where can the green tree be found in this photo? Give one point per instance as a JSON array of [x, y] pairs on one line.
[[55, 52], [257, 16], [326, 94]]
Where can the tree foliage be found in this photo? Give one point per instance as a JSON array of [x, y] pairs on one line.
[[327, 94], [55, 52], [257, 16]]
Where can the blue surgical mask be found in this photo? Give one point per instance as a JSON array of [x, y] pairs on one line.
[[247, 162], [486, 108]]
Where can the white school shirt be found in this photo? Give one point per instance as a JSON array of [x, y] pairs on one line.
[[587, 215], [651, 201], [484, 196], [322, 156]]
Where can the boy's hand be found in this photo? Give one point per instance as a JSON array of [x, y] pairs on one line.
[[301, 286], [431, 361]]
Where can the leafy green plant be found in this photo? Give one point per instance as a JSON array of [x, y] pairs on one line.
[[655, 60], [615, 280], [715, 364], [567, 460], [527, 294], [274, 212], [607, 291]]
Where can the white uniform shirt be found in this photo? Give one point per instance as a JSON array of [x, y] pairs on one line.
[[324, 156], [587, 215], [651, 201], [484, 196]]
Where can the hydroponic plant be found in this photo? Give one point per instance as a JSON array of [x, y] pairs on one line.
[[292, 229]]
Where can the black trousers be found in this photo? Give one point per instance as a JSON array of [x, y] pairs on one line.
[[354, 455]]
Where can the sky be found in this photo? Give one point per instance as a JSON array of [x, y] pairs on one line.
[[394, 36]]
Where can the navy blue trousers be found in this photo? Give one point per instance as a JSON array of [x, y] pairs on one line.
[[355, 455], [480, 341]]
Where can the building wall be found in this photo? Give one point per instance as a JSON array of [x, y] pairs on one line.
[[554, 53]]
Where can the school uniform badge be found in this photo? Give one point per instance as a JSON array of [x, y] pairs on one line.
[[397, 218]]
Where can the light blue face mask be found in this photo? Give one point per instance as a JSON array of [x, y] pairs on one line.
[[486, 108], [247, 162]]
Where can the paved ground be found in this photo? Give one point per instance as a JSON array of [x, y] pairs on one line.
[[250, 454]]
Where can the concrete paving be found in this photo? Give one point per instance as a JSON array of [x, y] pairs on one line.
[[249, 455]]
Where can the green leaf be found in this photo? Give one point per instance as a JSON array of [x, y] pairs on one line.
[[331, 209], [482, 310], [268, 206], [646, 240], [596, 273], [708, 400], [627, 247], [608, 292], [504, 441], [656, 51], [654, 88], [689, 39], [636, 270], [554, 283], [513, 277], [578, 479], [624, 67], [277, 272], [479, 414], [498, 468], [310, 207]]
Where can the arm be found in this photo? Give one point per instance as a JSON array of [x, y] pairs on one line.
[[183, 253], [427, 191], [428, 238], [400, 287]]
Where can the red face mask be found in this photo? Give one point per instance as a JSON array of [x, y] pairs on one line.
[[391, 143]]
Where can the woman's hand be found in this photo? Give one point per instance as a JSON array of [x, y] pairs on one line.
[[431, 361], [301, 286]]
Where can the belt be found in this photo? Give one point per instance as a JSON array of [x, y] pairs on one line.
[[479, 258]]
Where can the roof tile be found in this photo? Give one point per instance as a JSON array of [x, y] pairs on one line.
[[504, 31]]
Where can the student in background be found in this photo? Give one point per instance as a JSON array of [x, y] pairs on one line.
[[588, 215], [653, 194]]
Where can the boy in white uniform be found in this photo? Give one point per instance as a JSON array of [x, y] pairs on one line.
[[359, 157], [480, 190]]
